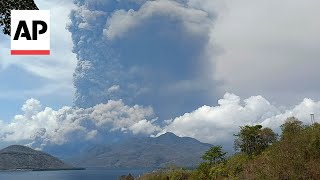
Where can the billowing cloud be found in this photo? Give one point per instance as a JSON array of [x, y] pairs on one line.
[[144, 126], [154, 51], [217, 124], [122, 21], [42, 126]]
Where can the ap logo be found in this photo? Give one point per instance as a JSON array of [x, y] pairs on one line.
[[30, 32]]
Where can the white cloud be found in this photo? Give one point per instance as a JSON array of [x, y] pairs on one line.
[[31, 107], [122, 21], [217, 124], [44, 126], [92, 134], [144, 127], [41, 126], [117, 115], [113, 89], [88, 17]]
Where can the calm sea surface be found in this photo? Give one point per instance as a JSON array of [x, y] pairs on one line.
[[88, 174]]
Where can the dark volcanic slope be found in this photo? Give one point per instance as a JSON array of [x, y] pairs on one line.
[[21, 157], [167, 149]]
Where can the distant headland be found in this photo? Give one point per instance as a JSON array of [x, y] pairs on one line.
[[17, 158]]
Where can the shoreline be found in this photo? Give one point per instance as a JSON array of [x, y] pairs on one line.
[[53, 169], [61, 169]]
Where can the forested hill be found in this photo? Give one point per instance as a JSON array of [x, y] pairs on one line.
[[21, 157]]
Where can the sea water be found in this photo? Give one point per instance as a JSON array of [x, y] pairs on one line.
[[88, 174]]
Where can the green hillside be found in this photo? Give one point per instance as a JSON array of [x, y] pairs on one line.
[[261, 154]]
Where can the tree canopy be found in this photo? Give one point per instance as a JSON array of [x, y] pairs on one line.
[[214, 155], [291, 127], [252, 140], [5, 11]]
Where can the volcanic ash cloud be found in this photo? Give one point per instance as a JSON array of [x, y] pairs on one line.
[[144, 52]]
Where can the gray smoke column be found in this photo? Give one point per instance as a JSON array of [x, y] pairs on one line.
[[143, 52]]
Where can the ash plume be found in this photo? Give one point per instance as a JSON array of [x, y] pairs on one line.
[[143, 52]]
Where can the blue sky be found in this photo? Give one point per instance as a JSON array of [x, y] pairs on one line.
[[139, 67], [48, 78]]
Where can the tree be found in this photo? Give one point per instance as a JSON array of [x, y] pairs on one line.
[[124, 177], [295, 156], [235, 164], [267, 137], [214, 155], [252, 140], [291, 128], [5, 11]]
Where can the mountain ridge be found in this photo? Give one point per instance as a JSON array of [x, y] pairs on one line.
[[164, 150]]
